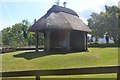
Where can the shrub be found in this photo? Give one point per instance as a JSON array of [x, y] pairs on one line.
[[102, 45]]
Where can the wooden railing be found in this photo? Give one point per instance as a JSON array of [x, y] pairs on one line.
[[71, 71]]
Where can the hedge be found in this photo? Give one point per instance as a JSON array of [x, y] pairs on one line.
[[102, 45]]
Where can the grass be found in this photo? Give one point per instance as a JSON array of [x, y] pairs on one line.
[[20, 60]]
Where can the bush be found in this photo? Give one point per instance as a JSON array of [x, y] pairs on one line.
[[102, 45]]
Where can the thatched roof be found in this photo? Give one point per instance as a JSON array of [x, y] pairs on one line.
[[59, 18]]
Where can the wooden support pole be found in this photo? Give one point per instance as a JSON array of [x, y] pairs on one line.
[[68, 41], [86, 42], [118, 78], [47, 41], [37, 39], [118, 73], [37, 77]]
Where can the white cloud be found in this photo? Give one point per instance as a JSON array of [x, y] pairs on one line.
[[96, 5], [90, 6]]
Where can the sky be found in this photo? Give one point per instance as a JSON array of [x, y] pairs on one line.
[[14, 11]]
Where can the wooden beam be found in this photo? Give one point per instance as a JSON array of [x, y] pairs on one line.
[[118, 73], [37, 41], [68, 40], [86, 42], [47, 41], [37, 77], [70, 71]]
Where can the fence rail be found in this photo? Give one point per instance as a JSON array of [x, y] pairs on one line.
[[70, 71]]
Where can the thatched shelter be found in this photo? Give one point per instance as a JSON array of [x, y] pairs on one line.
[[63, 30]]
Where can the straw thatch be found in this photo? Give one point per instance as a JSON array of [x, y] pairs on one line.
[[60, 18]]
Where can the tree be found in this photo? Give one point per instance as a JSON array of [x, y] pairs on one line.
[[105, 22], [13, 36], [6, 36], [19, 36], [0, 38]]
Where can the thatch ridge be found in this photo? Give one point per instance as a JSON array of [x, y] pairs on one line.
[[57, 9]]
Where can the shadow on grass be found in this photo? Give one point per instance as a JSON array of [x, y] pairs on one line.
[[32, 55]]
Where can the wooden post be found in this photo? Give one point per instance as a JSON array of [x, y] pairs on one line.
[[47, 41], [118, 73], [37, 77], [68, 41], [118, 78], [37, 39], [86, 42]]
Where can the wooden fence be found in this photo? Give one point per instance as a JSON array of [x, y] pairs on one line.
[[71, 71], [12, 49]]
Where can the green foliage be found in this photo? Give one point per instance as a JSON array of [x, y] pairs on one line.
[[1, 39], [103, 45], [106, 22], [6, 36], [19, 36]]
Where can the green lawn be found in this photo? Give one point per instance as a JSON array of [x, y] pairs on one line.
[[22, 60]]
